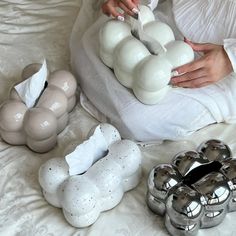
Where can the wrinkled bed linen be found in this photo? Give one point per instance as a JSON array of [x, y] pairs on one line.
[[30, 31]]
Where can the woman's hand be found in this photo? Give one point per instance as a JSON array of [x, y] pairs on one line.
[[129, 7], [213, 66]]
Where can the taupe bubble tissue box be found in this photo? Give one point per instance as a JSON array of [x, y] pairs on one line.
[[37, 108]]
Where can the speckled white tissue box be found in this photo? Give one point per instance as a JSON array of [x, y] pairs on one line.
[[100, 187]]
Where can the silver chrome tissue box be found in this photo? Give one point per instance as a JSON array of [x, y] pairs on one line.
[[196, 190]]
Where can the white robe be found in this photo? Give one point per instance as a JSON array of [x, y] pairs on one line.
[[182, 111]]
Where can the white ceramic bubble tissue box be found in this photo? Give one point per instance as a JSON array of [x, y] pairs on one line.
[[83, 192], [38, 126], [148, 75]]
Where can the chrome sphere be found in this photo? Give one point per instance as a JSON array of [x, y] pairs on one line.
[[184, 211], [229, 170], [215, 150], [161, 179], [188, 160]]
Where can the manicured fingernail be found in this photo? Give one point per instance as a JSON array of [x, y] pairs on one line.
[[135, 10], [174, 73], [121, 18]]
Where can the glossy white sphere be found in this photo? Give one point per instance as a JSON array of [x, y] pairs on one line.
[[146, 15], [179, 53], [111, 34], [160, 32], [126, 56], [153, 73]]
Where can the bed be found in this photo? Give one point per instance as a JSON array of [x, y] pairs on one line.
[[29, 32]]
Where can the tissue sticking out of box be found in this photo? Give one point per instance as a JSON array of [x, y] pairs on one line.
[[30, 89], [87, 153]]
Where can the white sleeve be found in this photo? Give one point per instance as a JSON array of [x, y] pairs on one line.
[[230, 48]]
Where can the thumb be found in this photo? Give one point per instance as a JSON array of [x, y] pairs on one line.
[[199, 47]]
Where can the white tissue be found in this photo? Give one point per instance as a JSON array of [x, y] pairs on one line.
[[30, 89], [152, 3], [87, 153]]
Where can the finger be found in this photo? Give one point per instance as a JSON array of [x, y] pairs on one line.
[[105, 11], [136, 2], [192, 66], [195, 83], [189, 76], [204, 84], [200, 47], [125, 9], [130, 5], [110, 10]]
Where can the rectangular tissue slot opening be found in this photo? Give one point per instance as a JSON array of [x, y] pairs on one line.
[[196, 174]]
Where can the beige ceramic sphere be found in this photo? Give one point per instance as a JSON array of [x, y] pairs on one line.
[[42, 146], [40, 123], [30, 69], [54, 99], [12, 115], [14, 95], [62, 122], [14, 138], [64, 80], [71, 103]]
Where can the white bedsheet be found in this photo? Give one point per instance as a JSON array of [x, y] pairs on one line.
[[33, 30]]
